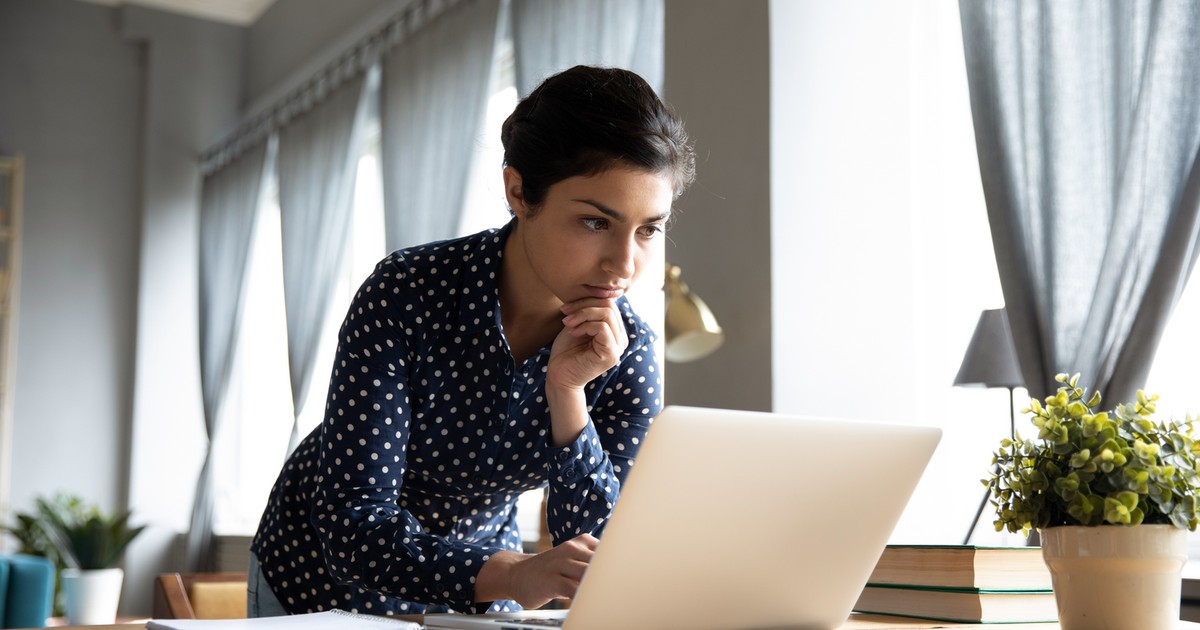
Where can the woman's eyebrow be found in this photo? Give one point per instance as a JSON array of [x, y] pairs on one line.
[[616, 215]]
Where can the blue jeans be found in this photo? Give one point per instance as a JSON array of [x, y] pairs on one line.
[[260, 600]]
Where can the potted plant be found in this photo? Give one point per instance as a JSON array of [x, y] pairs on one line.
[[1113, 494], [86, 544]]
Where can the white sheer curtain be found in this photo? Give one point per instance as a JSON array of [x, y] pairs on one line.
[[1087, 120], [434, 93], [317, 162], [229, 202], [553, 35]]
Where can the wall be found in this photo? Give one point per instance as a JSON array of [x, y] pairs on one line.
[[294, 38], [71, 101], [879, 221], [717, 63], [843, 190], [193, 81], [110, 107]]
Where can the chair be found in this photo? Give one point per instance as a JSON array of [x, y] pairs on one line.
[[200, 596], [26, 590]]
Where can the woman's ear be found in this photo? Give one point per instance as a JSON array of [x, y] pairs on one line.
[[514, 191]]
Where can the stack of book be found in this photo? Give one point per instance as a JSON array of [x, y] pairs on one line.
[[961, 583]]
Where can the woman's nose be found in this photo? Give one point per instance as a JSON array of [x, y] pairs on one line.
[[620, 259]]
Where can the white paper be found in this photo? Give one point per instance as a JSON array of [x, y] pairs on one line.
[[328, 620]]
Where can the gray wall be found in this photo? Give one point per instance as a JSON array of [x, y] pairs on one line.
[[293, 35], [718, 80], [71, 102], [110, 106], [192, 88]]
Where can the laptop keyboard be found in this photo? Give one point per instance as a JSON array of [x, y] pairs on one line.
[[556, 622]]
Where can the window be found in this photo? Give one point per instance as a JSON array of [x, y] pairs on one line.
[[485, 205], [252, 448], [1175, 371], [254, 437]]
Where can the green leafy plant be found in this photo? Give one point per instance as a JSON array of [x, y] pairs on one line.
[[73, 533], [1094, 467]]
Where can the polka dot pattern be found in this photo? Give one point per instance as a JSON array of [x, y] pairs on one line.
[[431, 432]]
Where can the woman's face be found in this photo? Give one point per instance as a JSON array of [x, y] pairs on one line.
[[593, 235]]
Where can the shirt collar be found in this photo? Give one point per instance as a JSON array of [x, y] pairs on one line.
[[479, 307]]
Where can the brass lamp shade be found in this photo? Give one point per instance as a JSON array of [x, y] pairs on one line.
[[692, 330]]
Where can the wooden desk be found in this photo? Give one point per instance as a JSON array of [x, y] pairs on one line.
[[121, 622], [856, 622], [881, 622]]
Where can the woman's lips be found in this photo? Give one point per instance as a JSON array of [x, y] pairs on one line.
[[604, 293]]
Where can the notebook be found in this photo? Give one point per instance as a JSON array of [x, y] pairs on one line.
[[326, 620], [741, 519]]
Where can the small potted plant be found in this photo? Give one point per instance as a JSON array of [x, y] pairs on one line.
[[86, 545], [1102, 487]]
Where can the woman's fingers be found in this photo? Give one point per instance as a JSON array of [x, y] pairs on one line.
[[555, 573], [591, 342], [598, 318], [576, 554]]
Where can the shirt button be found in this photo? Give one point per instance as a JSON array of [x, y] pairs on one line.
[[570, 471], [563, 455]]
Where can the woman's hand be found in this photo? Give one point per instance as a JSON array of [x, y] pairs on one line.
[[591, 341], [534, 580]]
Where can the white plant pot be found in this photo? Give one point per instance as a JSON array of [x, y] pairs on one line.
[[91, 596], [1116, 577]]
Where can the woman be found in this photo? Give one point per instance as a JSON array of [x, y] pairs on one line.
[[471, 370]]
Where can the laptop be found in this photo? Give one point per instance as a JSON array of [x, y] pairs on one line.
[[740, 519]]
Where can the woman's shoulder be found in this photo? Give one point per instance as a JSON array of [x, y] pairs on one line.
[[445, 258], [458, 250]]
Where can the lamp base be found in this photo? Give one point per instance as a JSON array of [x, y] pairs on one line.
[[1012, 435]]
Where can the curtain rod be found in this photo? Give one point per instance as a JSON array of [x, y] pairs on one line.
[[355, 60]]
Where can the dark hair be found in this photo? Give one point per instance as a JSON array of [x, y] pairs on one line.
[[585, 120]]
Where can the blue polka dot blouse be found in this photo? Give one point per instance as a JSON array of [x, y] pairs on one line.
[[431, 432]]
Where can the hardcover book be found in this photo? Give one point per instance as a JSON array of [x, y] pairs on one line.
[[963, 566], [959, 605]]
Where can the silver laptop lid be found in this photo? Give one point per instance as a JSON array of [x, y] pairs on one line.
[[741, 519]]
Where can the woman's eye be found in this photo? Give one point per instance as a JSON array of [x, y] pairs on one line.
[[650, 231], [595, 225]]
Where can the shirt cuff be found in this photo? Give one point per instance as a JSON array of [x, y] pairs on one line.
[[578, 459], [454, 576]]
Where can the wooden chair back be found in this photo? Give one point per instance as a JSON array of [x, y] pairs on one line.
[[200, 596]]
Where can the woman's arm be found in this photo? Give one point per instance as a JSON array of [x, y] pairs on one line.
[[592, 341], [586, 473]]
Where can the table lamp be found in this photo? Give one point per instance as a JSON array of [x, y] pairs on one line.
[[991, 361], [692, 329]]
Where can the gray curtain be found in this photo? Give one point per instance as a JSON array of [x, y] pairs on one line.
[[553, 35], [229, 201], [1087, 124], [434, 94], [317, 162]]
